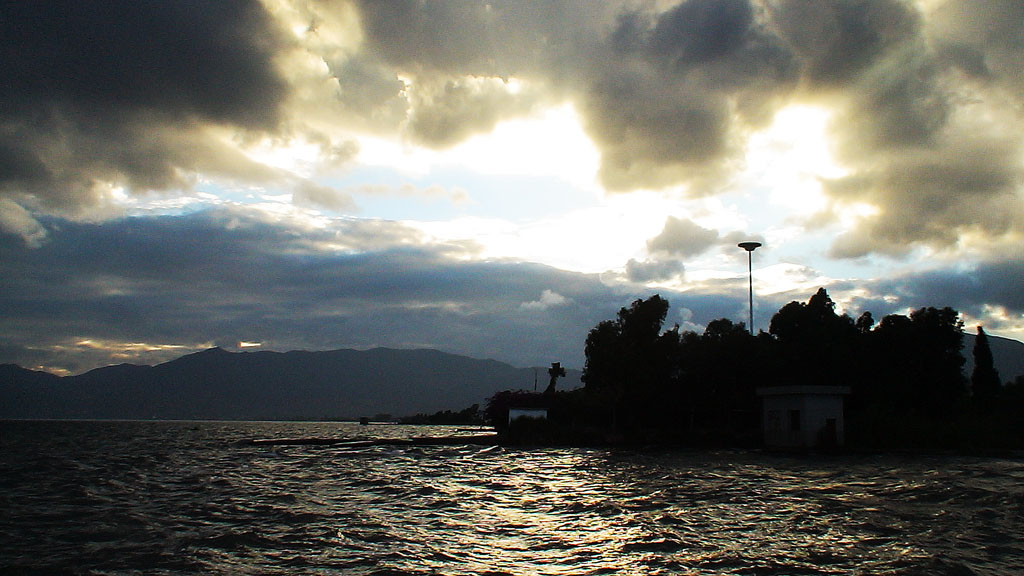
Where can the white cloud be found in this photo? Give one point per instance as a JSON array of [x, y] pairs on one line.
[[548, 299]]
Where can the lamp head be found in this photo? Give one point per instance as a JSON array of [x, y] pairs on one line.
[[749, 246]]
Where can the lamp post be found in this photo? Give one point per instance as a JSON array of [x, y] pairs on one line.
[[750, 247]]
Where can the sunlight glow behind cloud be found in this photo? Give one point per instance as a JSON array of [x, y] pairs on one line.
[[550, 143], [792, 156], [296, 156]]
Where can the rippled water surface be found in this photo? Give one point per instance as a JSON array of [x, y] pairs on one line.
[[179, 498]]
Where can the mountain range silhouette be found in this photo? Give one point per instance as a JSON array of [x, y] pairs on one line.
[[300, 385]]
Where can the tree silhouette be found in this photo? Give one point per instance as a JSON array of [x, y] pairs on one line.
[[985, 384], [724, 329], [646, 384], [623, 353], [865, 323], [940, 340], [630, 362], [918, 362], [818, 345], [720, 370]]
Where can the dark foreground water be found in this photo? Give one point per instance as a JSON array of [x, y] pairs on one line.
[[186, 498]]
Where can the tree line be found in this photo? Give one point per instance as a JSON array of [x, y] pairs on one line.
[[645, 383]]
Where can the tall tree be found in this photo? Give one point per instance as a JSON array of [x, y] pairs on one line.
[[919, 362], [985, 384], [625, 351], [603, 349], [940, 333], [728, 366], [865, 323], [630, 361], [818, 344]]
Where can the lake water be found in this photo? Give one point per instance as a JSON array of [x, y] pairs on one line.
[[194, 497]]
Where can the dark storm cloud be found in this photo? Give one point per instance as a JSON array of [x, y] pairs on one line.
[[701, 31], [898, 104], [445, 114], [369, 91], [457, 55], [837, 39], [678, 240], [653, 270], [117, 92], [106, 292], [407, 34], [914, 126], [673, 92], [182, 59], [983, 37], [990, 284], [683, 238], [934, 198]]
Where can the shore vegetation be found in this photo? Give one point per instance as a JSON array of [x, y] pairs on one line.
[[644, 383]]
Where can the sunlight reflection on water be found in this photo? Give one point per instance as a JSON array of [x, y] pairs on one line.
[[175, 498]]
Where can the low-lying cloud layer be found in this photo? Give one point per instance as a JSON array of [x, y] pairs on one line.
[[149, 289]]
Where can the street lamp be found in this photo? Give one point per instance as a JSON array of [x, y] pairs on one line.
[[750, 247]]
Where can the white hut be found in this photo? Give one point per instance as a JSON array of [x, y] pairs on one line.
[[527, 413], [803, 416]]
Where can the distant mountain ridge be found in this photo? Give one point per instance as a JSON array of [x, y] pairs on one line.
[[217, 384]]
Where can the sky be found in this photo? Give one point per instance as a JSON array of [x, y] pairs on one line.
[[494, 179]]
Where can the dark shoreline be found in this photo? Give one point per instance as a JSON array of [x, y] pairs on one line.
[[486, 437]]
